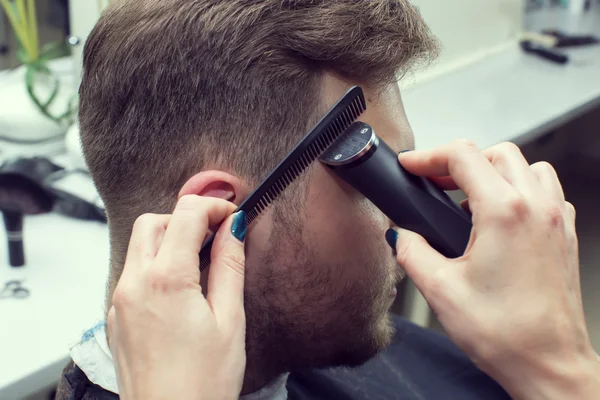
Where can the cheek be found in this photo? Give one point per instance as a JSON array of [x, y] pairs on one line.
[[348, 231], [375, 219], [342, 226]]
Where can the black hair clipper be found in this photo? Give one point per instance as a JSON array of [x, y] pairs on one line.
[[367, 163]]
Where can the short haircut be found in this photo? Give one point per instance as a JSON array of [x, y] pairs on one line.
[[171, 86]]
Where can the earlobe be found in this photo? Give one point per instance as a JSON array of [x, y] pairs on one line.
[[217, 184]]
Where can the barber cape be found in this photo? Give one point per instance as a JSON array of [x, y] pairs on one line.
[[93, 357], [419, 365]]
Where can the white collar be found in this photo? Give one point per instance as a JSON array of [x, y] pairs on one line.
[[92, 355]]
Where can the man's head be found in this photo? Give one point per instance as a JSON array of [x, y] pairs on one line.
[[205, 97]]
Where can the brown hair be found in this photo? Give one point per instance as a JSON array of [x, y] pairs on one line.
[[172, 85]]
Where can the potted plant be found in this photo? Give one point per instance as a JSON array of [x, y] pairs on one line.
[[37, 99]]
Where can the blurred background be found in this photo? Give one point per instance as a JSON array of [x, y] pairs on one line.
[[525, 71]]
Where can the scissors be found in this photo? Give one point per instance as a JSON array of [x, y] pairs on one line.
[[15, 290]]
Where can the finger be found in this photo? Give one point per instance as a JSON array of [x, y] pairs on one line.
[[506, 158], [111, 327], [544, 173], [465, 205], [111, 321], [421, 262], [444, 183], [512, 165], [572, 213], [468, 168], [472, 238], [548, 179], [146, 236], [113, 341], [188, 228], [432, 163], [226, 275], [477, 178]]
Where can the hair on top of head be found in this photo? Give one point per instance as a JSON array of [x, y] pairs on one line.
[[170, 86]]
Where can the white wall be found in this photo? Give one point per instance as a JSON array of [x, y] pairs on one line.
[[470, 29], [84, 14]]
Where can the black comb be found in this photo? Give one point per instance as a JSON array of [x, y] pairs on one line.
[[311, 147]]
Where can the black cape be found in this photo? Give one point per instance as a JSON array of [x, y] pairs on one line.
[[420, 364]]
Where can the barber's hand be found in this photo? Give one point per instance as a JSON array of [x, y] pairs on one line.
[[169, 341], [513, 301]]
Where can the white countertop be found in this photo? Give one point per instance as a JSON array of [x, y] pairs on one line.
[[65, 272], [508, 96]]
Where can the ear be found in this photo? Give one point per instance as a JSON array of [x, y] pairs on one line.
[[217, 184]]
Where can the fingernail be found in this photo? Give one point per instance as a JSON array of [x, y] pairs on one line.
[[238, 228], [391, 237], [402, 152]]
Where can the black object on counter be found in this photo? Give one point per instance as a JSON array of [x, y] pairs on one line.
[[13, 222], [544, 52], [22, 193], [564, 40]]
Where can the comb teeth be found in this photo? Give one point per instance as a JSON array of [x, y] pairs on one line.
[[335, 128], [204, 263]]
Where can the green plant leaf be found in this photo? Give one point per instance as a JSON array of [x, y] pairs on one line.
[[41, 68], [54, 50]]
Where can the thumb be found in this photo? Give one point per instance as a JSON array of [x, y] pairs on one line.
[[420, 261], [227, 268]]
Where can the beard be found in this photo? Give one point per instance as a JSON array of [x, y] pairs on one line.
[[303, 312]]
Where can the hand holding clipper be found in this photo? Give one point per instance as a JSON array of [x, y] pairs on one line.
[[367, 163]]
